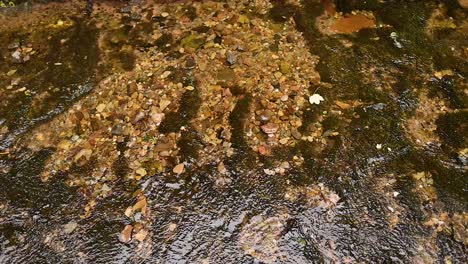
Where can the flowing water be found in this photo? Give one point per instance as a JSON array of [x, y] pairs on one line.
[[234, 164]]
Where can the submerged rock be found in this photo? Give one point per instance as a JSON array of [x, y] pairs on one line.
[[259, 238]]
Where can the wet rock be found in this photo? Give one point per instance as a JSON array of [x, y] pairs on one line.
[[231, 58]]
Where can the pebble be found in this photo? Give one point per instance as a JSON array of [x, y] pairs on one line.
[[70, 227], [141, 172], [231, 58], [270, 128], [264, 116], [295, 133], [163, 104], [221, 168], [117, 130], [16, 56], [100, 108], [263, 150]]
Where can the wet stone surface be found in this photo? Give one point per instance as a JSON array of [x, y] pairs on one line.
[[280, 131]]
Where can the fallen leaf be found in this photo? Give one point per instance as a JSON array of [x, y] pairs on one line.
[[441, 74], [141, 235], [129, 211], [343, 105], [178, 169], [126, 234], [140, 205]]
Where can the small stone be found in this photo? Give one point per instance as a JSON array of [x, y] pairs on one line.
[[290, 38], [189, 88], [126, 234], [163, 104], [284, 141], [70, 227], [138, 117], [141, 172], [157, 117], [165, 74], [263, 150], [243, 19], [270, 128], [132, 88], [178, 169], [295, 133], [316, 99], [278, 74], [231, 58], [117, 130], [100, 108], [164, 14], [16, 56], [172, 227], [264, 116], [221, 168], [284, 67], [11, 72]]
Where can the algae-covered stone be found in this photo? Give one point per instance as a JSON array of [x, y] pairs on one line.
[[192, 41]]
